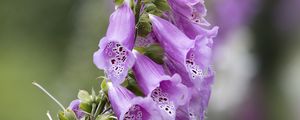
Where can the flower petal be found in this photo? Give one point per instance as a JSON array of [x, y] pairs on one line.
[[115, 59], [122, 26]]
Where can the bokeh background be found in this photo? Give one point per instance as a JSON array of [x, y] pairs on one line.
[[51, 42]]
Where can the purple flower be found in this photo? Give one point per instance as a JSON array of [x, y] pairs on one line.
[[194, 10], [74, 106], [195, 109], [127, 106], [167, 92], [190, 58], [114, 55]]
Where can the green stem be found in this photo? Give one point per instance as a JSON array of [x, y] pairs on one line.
[[93, 111], [137, 16]]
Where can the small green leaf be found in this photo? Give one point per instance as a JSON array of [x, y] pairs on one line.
[[84, 96], [118, 2], [162, 5]]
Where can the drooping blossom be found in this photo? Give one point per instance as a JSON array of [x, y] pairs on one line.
[[114, 55], [190, 58], [167, 92], [196, 107], [127, 106], [74, 106]]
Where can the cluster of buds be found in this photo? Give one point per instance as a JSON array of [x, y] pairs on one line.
[[156, 57]]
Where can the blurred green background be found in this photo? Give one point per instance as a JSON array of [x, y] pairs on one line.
[[52, 42]]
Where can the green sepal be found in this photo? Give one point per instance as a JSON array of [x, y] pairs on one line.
[[141, 50], [85, 107], [119, 2], [84, 96], [70, 115], [67, 115], [103, 85], [162, 5]]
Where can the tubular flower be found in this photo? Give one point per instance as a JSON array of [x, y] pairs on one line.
[[193, 10], [195, 108], [183, 52], [114, 55], [167, 92], [127, 106]]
